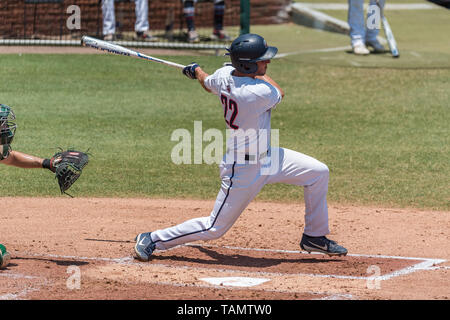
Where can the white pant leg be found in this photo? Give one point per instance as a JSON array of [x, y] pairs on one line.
[[356, 21], [141, 10], [371, 34], [240, 184], [299, 169], [109, 18]]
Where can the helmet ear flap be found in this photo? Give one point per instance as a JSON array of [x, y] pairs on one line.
[[248, 67]]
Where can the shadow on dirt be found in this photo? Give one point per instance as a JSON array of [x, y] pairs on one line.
[[239, 260], [58, 262]]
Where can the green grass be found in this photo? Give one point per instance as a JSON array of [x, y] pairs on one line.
[[380, 124], [416, 30]]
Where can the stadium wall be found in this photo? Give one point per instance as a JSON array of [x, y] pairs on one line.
[[18, 20]]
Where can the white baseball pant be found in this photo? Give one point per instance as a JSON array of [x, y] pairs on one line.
[[240, 185]]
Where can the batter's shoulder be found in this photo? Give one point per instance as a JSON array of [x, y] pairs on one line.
[[225, 71], [265, 92], [261, 87]]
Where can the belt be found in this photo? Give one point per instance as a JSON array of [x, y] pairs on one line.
[[251, 157]]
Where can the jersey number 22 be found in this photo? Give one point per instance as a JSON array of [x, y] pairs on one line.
[[230, 108]]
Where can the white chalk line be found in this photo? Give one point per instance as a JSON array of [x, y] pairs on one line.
[[337, 296], [334, 49], [426, 264], [23, 293], [27, 289], [282, 55], [132, 261], [303, 252], [328, 295], [17, 276], [388, 6]]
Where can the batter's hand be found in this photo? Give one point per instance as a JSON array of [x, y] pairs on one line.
[[189, 70]]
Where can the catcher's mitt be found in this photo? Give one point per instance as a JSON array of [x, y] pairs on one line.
[[68, 166]]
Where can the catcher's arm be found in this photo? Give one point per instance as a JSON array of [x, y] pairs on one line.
[[23, 160], [67, 165]]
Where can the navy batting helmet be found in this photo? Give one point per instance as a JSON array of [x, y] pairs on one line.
[[248, 49]]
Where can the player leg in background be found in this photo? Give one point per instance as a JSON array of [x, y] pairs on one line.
[[219, 12], [109, 20], [189, 16], [372, 33], [142, 26], [302, 170], [357, 26]]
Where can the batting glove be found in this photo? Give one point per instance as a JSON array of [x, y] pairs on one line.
[[189, 70]]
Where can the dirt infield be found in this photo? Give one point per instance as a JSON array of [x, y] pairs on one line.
[[82, 248]]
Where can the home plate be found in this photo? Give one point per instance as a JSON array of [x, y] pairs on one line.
[[235, 281]]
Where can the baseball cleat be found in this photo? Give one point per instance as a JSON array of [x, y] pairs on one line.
[[193, 37], [360, 49], [220, 35], [145, 36], [144, 246], [322, 245]]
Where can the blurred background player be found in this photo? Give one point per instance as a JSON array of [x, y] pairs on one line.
[[141, 25], [361, 36], [189, 15]]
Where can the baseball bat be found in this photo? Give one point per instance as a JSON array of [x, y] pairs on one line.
[[116, 49], [389, 35]]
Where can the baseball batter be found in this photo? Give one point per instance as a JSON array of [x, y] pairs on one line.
[[248, 96]]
